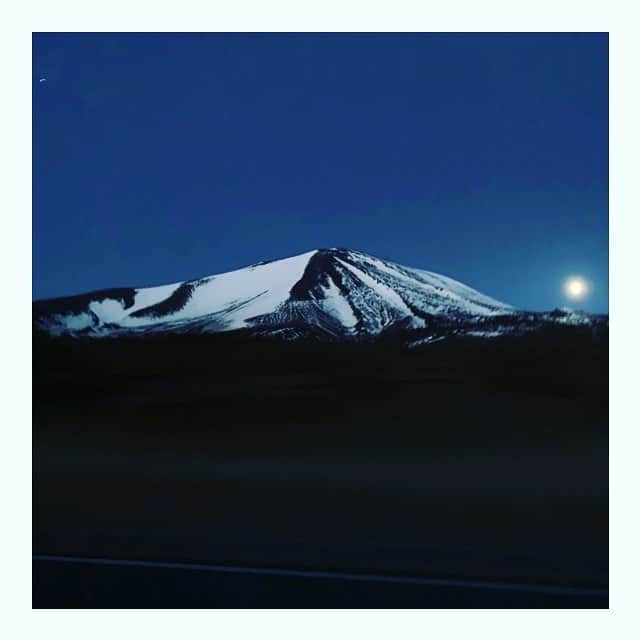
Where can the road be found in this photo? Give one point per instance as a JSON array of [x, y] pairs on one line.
[[80, 582]]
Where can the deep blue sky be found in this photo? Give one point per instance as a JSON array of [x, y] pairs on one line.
[[163, 157]]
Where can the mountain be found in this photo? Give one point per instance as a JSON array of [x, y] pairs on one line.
[[327, 293], [339, 292]]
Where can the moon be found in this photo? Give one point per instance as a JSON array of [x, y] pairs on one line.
[[576, 287]]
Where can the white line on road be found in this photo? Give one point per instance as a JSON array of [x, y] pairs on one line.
[[329, 575]]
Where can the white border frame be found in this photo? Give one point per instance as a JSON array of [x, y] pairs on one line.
[[618, 18]]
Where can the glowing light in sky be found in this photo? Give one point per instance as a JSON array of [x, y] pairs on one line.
[[576, 287]]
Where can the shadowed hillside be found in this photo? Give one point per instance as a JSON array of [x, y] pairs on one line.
[[466, 458]]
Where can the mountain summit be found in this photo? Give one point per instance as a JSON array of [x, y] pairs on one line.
[[339, 292]]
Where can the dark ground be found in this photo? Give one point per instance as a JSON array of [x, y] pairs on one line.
[[468, 460]]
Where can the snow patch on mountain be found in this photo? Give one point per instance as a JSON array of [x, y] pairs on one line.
[[427, 340], [335, 304], [237, 295], [388, 295]]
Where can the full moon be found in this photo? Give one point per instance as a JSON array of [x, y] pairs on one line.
[[576, 288]]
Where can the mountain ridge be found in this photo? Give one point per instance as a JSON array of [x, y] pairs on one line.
[[339, 293]]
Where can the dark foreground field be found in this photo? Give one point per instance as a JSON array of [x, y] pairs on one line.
[[478, 462]]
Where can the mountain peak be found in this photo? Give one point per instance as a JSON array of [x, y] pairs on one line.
[[337, 290]]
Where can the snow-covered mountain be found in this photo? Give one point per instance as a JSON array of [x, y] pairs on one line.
[[336, 292]]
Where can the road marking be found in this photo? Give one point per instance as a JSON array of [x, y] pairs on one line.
[[329, 575]]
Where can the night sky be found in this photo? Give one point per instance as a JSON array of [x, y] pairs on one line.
[[161, 157]]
